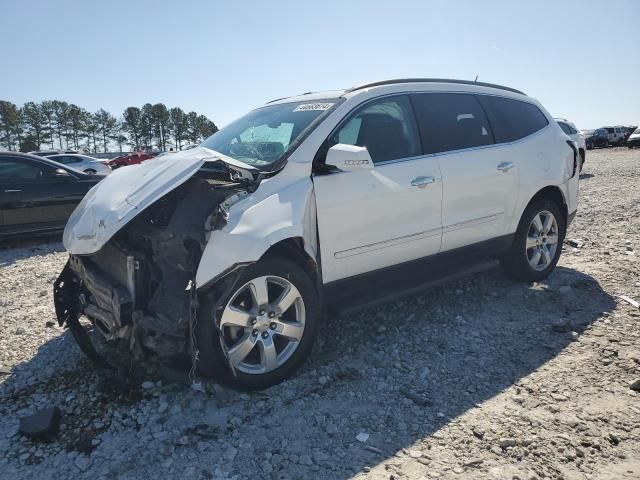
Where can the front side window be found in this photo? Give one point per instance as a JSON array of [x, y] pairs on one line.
[[512, 119], [451, 121], [13, 171], [264, 136], [385, 126]]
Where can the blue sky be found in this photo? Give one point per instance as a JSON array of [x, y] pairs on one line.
[[581, 59]]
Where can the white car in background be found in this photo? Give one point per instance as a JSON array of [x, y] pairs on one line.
[[83, 163], [574, 134], [228, 253], [634, 139]]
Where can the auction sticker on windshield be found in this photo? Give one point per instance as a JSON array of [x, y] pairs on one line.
[[306, 107]]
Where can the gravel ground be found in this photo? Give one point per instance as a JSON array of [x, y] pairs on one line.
[[483, 378]]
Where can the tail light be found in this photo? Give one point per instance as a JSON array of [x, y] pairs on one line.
[[104, 162]]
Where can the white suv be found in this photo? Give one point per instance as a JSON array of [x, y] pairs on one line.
[[228, 252], [574, 134]]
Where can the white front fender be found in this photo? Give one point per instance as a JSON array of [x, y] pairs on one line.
[[287, 213]]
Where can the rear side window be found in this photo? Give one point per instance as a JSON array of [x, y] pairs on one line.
[[511, 119], [565, 128], [451, 121], [66, 160]]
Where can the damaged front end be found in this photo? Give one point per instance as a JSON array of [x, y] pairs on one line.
[[138, 289]]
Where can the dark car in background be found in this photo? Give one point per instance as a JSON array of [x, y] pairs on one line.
[[130, 159], [598, 138], [37, 195]]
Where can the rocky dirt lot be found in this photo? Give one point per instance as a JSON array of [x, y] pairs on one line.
[[483, 378]]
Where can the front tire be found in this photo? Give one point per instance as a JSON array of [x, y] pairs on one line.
[[537, 245], [268, 324]]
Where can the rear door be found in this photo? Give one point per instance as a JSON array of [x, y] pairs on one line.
[[480, 179], [386, 215]]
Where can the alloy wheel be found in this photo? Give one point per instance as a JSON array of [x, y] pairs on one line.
[[263, 324], [542, 240]]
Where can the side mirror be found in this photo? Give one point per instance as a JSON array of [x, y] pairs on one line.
[[349, 158], [61, 174]]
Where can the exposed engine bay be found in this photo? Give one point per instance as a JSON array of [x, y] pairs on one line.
[[139, 288]]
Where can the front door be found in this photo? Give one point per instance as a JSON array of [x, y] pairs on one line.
[[386, 215]]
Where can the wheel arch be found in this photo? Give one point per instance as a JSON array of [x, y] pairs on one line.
[[555, 194], [293, 248]]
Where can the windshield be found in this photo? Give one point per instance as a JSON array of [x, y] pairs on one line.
[[264, 136]]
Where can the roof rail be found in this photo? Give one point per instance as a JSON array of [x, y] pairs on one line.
[[432, 80], [284, 98]]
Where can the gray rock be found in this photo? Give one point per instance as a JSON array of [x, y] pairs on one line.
[[331, 429], [508, 442], [42, 423], [305, 460], [230, 454], [82, 462], [561, 325], [635, 385], [148, 385]]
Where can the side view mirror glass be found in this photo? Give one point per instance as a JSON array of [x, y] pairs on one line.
[[349, 158], [60, 174]]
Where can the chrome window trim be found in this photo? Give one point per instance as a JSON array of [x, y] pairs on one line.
[[448, 152]]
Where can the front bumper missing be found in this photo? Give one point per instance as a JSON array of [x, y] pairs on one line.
[[66, 297]]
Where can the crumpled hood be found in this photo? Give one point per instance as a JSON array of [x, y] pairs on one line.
[[126, 192]]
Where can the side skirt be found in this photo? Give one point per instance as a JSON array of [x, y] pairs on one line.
[[397, 281]]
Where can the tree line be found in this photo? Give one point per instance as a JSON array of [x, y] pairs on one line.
[[54, 124]]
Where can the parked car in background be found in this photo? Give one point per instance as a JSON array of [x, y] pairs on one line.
[[83, 163], [228, 252], [630, 130], [46, 153], [634, 139], [37, 195], [598, 138], [616, 135], [572, 132], [130, 159]]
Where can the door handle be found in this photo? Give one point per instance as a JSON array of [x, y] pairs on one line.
[[422, 182], [505, 166], [12, 191]]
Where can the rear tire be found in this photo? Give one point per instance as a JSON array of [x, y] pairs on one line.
[[270, 357], [538, 242]]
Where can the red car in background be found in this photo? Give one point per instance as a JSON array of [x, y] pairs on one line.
[[130, 159]]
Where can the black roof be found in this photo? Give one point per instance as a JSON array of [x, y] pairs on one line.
[[433, 80]]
